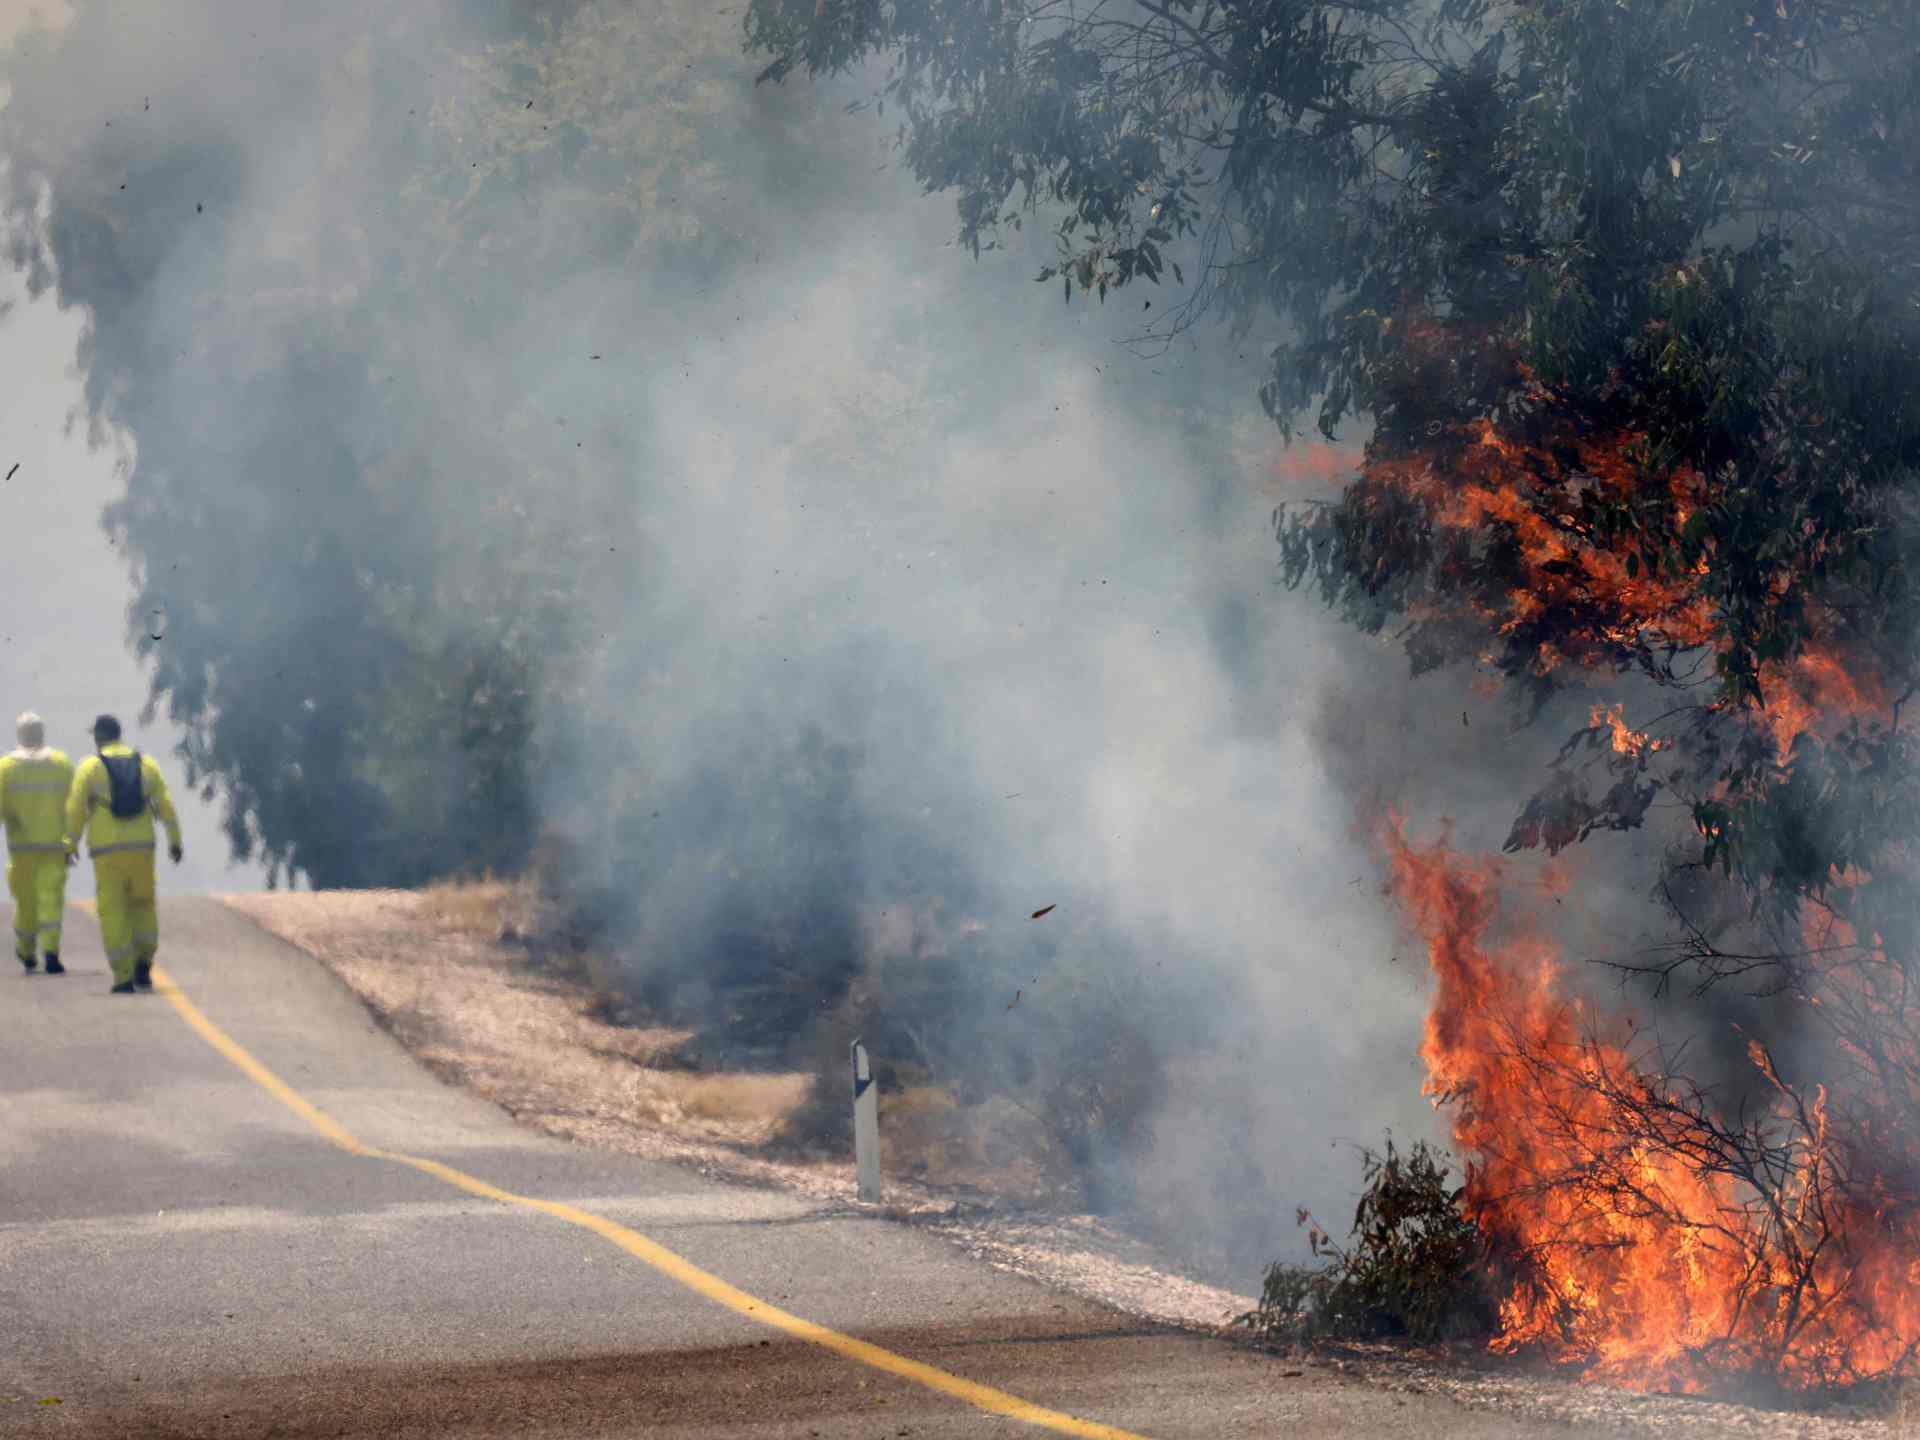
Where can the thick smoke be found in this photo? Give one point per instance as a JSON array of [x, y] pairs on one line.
[[810, 574]]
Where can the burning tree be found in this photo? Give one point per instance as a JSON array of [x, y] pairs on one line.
[[1630, 296]]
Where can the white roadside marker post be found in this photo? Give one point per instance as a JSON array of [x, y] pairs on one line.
[[866, 1127]]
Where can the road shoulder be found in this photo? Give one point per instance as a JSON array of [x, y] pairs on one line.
[[540, 1044]]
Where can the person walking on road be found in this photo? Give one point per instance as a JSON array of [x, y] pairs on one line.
[[34, 781], [114, 798]]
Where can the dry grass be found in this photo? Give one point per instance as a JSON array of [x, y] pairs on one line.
[[993, 1145], [441, 970], [750, 1098], [486, 909], [552, 1039]]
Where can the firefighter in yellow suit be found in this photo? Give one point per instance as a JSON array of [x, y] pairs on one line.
[[115, 797], [34, 782]]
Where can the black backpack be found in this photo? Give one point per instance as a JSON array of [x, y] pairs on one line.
[[128, 796]]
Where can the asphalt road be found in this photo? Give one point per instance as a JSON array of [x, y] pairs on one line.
[[183, 1255]]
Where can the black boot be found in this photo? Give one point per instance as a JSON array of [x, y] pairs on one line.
[[31, 963], [125, 987], [54, 967], [143, 974]]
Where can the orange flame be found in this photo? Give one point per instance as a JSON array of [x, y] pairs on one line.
[[1626, 740], [1535, 493], [1816, 687], [1313, 466], [1576, 596], [1659, 1261]]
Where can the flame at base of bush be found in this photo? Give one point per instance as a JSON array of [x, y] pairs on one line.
[[1669, 1243]]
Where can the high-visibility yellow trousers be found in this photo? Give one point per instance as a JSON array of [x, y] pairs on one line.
[[123, 893], [38, 882]]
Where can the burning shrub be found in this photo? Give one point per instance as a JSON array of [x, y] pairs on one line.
[[1678, 1234], [1415, 1266]]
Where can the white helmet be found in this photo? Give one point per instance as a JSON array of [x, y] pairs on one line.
[[31, 729]]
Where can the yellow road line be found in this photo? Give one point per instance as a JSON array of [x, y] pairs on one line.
[[981, 1397]]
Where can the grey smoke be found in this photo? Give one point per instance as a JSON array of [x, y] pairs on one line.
[[813, 477]]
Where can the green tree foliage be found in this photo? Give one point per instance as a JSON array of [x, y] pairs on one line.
[[356, 592], [1413, 1265], [1669, 253]]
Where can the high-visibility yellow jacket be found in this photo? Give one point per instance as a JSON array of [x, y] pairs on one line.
[[33, 797], [89, 808]]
